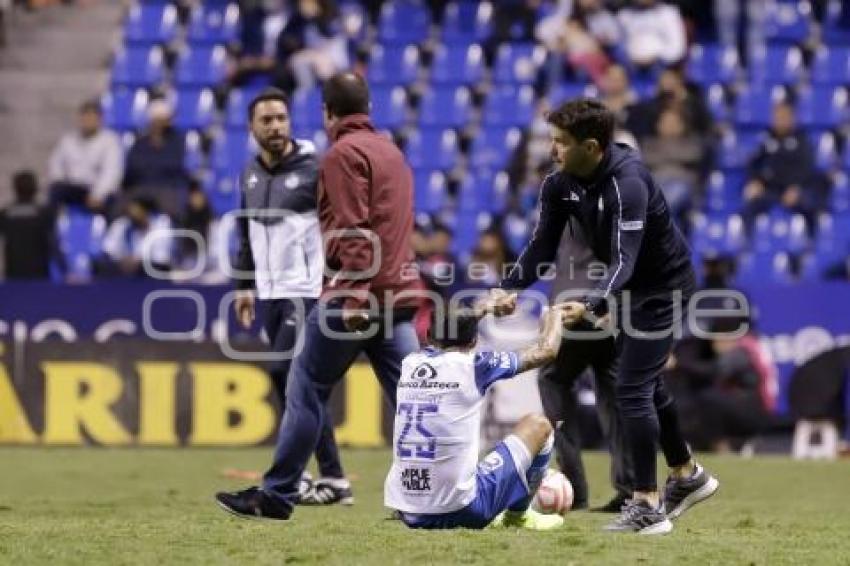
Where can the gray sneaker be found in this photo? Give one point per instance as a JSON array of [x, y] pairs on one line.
[[638, 516], [682, 494]]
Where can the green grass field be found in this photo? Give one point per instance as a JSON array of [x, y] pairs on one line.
[[125, 506]]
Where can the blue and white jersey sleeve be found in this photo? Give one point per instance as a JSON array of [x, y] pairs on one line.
[[490, 367]]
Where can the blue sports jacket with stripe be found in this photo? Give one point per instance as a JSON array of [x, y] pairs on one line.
[[627, 224]]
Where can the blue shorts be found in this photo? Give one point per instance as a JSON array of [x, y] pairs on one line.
[[500, 483]]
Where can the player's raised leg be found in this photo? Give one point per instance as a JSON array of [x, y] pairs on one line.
[[532, 435]]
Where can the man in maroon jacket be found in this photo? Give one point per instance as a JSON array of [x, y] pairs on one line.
[[369, 296]]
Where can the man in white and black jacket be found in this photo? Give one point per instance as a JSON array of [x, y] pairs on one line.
[[281, 260]]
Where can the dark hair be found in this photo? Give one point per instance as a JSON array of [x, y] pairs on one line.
[[269, 93], [584, 119], [346, 93], [147, 203], [453, 328], [25, 185], [91, 106]]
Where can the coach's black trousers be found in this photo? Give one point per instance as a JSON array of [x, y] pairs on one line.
[[283, 320], [644, 342], [560, 403]]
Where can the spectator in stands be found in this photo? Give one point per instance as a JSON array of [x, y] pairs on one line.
[[198, 218], [654, 33], [488, 261], [729, 21], [437, 264], [726, 387], [262, 21], [86, 167], [674, 92], [783, 171], [618, 95], [583, 37], [513, 20], [27, 230], [311, 46], [124, 245], [676, 156], [155, 162]]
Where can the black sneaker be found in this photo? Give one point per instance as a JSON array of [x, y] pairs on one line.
[[682, 494], [640, 517], [252, 503], [615, 505], [328, 491]]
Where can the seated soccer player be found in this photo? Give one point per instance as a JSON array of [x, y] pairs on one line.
[[436, 481]]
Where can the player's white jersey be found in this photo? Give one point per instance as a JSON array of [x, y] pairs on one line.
[[437, 428]]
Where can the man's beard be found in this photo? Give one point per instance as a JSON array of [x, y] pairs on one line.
[[276, 146]]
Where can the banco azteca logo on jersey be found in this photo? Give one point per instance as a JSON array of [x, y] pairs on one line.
[[423, 377]]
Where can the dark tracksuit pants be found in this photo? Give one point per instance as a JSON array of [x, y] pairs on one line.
[[282, 323], [646, 408], [560, 404]]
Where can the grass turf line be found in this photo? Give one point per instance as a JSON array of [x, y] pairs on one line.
[[150, 506]]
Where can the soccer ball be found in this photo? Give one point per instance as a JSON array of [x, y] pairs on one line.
[[555, 494]]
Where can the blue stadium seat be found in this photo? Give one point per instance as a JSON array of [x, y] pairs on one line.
[[389, 107], [445, 107], [194, 159], [230, 151], [834, 33], [125, 109], [787, 22], [222, 191], [429, 193], [201, 66], [492, 147], [813, 266], [831, 65], [508, 106], [833, 236], [712, 63], [403, 21], [754, 105], [393, 65], [306, 109], [485, 191], [756, 269], [518, 63], [723, 191], [825, 144], [715, 98], [80, 235], [458, 64], [432, 149], [468, 228], [780, 231], [467, 22], [236, 110], [212, 23], [736, 148], [568, 91], [139, 66], [354, 21], [151, 23], [517, 230], [194, 109], [777, 64], [821, 106], [840, 197], [717, 234]]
